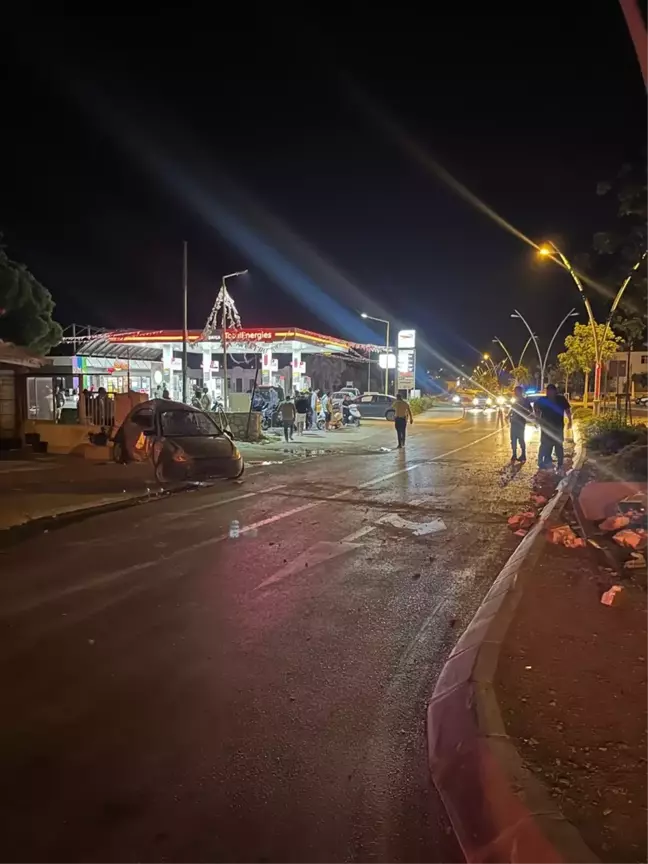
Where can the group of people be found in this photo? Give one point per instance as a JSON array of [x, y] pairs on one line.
[[549, 412], [301, 412]]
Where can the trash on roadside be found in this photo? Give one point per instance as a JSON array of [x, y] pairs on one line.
[[636, 562], [562, 535], [540, 500], [609, 597], [521, 520], [614, 523], [631, 539], [521, 532]]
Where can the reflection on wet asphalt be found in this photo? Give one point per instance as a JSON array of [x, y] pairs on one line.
[[178, 693]]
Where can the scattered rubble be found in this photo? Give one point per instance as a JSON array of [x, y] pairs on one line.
[[631, 539], [610, 596], [521, 520], [563, 535]]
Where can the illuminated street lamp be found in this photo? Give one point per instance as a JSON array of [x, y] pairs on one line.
[[550, 250], [382, 321]]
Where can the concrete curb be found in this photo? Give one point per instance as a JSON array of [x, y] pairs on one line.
[[499, 810]]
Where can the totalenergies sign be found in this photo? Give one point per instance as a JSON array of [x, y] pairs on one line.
[[250, 335]]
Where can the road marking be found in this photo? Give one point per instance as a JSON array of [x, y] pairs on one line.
[[323, 551], [107, 578], [417, 528], [229, 500], [358, 534]]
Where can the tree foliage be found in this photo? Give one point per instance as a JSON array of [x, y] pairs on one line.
[[580, 353], [26, 308], [522, 374]]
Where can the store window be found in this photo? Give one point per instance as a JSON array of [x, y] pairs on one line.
[[40, 398], [239, 385]]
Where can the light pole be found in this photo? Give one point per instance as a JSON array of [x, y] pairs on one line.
[[550, 250], [185, 332], [543, 362], [506, 351], [487, 359], [224, 330], [382, 321]]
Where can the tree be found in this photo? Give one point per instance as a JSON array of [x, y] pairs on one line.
[[521, 374], [580, 353], [26, 308]]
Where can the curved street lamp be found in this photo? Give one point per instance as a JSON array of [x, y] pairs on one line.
[[543, 362]]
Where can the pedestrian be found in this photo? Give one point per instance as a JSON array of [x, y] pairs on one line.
[[302, 405], [402, 412], [518, 416], [165, 392], [326, 409], [551, 411], [205, 400], [288, 415], [59, 402]]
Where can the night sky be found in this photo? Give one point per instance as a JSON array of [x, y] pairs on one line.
[[278, 144]]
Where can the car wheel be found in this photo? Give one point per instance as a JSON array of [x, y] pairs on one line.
[[390, 414], [118, 453]]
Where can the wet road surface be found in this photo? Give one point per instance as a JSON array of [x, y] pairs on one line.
[[175, 693]]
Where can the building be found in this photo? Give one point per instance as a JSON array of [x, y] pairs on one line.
[[15, 364], [617, 372]]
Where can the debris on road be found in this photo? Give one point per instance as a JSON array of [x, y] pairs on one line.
[[614, 523], [563, 535], [521, 520], [609, 597], [540, 500], [637, 561], [630, 539]]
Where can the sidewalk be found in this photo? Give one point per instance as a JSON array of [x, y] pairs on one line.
[[571, 685], [41, 486]]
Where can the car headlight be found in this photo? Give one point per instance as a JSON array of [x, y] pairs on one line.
[[456, 398], [501, 400], [475, 401], [513, 401], [236, 453], [489, 401]]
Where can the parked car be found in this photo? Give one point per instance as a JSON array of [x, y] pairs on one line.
[[376, 405], [641, 400], [182, 442]]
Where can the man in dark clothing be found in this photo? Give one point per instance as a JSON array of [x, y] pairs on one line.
[[520, 413], [551, 411]]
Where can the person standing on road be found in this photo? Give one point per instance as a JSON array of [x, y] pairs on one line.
[[326, 408], [288, 415], [301, 408], [402, 412], [520, 413], [550, 411]]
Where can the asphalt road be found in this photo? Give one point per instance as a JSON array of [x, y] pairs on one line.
[[174, 693]]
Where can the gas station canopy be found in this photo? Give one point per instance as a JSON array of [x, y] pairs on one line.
[[279, 340]]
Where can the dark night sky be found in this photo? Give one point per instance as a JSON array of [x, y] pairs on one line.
[[122, 137]]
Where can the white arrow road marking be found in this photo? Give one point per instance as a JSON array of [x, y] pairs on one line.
[[325, 550], [417, 528]]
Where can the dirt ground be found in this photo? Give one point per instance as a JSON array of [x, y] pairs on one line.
[[572, 688]]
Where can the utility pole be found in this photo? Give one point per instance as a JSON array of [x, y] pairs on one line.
[[224, 332], [184, 323]]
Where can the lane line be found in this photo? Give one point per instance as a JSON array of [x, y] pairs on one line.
[[229, 500], [358, 534], [107, 578]]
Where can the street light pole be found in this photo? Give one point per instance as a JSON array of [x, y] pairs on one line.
[[185, 333], [535, 342], [505, 349], [382, 321], [543, 362], [546, 250]]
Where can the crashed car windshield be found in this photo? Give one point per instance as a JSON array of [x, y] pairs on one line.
[[182, 424]]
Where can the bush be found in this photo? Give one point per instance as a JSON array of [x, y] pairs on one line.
[[610, 434], [422, 403], [581, 413]]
